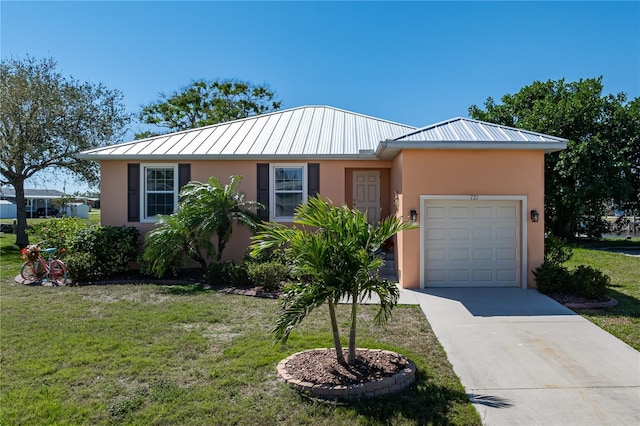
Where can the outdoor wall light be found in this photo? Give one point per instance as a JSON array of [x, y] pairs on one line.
[[535, 216], [414, 216]]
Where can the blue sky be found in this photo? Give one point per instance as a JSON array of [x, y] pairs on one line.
[[412, 62]]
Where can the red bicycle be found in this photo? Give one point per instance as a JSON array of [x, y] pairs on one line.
[[36, 268]]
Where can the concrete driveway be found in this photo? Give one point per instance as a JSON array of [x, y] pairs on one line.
[[524, 359]]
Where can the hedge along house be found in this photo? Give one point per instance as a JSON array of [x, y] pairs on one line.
[[476, 189]]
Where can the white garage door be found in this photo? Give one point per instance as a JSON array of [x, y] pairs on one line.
[[471, 243]]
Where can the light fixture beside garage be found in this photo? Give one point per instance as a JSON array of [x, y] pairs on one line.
[[535, 216], [414, 216]]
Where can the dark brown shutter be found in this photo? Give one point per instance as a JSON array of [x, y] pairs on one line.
[[263, 190], [133, 192], [313, 179], [184, 175]]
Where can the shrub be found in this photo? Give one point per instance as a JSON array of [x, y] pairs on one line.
[[80, 267], [556, 250], [589, 282], [58, 232], [227, 273], [582, 281], [553, 278], [109, 250], [268, 274]]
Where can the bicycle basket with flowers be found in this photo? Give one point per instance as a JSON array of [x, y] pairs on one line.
[[30, 253]]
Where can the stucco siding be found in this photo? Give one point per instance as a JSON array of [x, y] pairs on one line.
[[449, 172]]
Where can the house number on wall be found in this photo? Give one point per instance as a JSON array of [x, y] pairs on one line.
[[474, 197]]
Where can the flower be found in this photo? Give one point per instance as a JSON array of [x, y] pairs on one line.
[[30, 253]]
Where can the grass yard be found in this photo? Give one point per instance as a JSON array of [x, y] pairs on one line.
[[623, 321], [148, 354]]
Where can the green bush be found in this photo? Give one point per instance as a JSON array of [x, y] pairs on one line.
[[228, 274], [110, 249], [80, 267], [58, 232], [269, 275], [589, 282], [582, 281], [556, 250], [553, 278]]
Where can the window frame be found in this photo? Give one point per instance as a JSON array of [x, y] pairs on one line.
[[143, 188], [272, 188]]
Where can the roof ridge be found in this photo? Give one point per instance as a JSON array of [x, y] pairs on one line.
[[473, 120]]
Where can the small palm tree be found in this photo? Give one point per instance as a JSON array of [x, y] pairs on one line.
[[205, 211], [219, 206], [332, 251]]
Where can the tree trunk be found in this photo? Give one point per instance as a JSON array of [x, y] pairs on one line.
[[351, 360], [22, 239], [336, 333]]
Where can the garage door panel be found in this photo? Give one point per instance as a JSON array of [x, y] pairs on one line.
[[482, 275], [505, 212], [458, 213], [436, 254], [459, 234], [482, 212], [483, 233], [506, 254], [436, 212], [471, 243], [436, 234], [482, 254]]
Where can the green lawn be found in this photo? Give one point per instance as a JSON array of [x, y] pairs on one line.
[[623, 321], [149, 354]]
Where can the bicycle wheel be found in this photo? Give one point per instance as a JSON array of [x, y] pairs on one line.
[[58, 273], [32, 271]]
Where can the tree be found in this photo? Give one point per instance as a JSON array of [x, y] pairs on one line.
[[333, 253], [46, 119], [206, 211], [601, 162], [203, 103]]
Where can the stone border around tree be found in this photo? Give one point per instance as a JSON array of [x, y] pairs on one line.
[[387, 386]]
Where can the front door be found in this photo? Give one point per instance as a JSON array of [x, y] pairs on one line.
[[366, 193]]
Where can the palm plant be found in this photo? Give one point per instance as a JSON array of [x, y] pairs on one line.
[[205, 211], [333, 253], [218, 206]]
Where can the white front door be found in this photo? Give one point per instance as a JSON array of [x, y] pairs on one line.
[[471, 243], [366, 193]]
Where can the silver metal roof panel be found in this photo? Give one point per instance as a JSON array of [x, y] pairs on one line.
[[322, 132]]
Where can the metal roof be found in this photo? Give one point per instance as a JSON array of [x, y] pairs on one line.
[[32, 193], [303, 132], [469, 130], [322, 132], [466, 133]]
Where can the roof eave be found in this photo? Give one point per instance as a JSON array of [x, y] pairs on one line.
[[229, 157], [388, 149]]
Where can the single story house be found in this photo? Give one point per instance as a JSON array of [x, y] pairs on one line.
[[476, 189], [39, 202]]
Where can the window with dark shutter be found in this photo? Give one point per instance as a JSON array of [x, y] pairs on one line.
[[263, 190], [133, 192], [313, 180], [184, 175]]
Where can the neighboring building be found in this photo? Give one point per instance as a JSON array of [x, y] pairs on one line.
[[39, 202], [474, 188]]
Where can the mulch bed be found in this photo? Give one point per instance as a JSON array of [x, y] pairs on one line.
[[579, 302], [322, 367]]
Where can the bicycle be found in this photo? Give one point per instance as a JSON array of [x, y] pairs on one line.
[[36, 268]]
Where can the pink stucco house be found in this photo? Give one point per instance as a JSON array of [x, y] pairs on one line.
[[476, 189]]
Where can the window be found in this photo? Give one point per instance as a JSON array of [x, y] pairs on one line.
[[159, 190], [289, 183]]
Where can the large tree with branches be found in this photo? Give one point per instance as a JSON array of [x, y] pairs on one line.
[[46, 119], [203, 103]]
